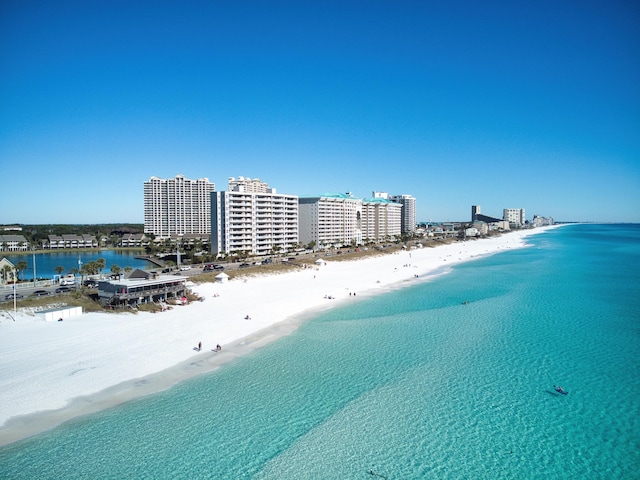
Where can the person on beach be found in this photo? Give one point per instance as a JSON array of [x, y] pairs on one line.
[[218, 348], [199, 346]]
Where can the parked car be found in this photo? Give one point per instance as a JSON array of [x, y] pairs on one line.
[[90, 284], [185, 267], [211, 267], [166, 270], [40, 293], [245, 265], [9, 296], [63, 290]]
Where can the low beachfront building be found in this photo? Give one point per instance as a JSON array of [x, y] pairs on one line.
[[481, 227], [13, 243], [134, 240], [72, 241], [7, 272], [141, 287]]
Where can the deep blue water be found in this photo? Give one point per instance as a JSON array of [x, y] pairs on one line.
[[46, 263], [408, 385]]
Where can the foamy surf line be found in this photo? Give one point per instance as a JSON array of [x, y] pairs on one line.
[[57, 371]]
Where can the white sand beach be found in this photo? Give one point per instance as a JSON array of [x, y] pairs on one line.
[[54, 371]]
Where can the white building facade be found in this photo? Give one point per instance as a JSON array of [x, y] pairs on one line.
[[330, 220], [13, 243], [408, 202], [515, 216], [250, 217], [177, 206], [539, 221]]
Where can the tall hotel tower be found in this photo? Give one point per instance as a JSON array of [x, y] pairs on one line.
[[177, 206], [408, 212], [251, 217]]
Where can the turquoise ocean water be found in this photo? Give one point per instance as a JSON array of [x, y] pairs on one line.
[[408, 385]]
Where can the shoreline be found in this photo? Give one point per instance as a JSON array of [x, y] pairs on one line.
[[57, 372]]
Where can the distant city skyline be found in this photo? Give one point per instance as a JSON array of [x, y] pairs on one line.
[[531, 105]]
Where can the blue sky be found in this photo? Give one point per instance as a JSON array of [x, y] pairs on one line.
[[531, 105]]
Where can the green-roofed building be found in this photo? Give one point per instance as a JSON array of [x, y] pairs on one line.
[[340, 219]]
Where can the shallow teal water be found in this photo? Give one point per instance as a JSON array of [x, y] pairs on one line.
[[412, 384]]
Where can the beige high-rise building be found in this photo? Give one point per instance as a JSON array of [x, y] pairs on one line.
[[248, 185], [177, 206], [381, 219], [329, 220]]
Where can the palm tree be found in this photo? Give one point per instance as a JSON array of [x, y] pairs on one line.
[[115, 269], [93, 267], [101, 262], [197, 245], [21, 266], [84, 271], [59, 269]]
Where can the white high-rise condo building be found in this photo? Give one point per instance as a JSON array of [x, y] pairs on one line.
[[408, 224], [515, 216], [177, 206], [330, 220], [539, 221], [381, 219], [251, 217]]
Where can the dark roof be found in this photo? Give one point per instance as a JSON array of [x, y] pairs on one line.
[[137, 273], [486, 218]]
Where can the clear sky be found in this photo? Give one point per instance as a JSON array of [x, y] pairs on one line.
[[512, 104]]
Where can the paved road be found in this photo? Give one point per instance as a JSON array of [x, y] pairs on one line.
[[26, 292]]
